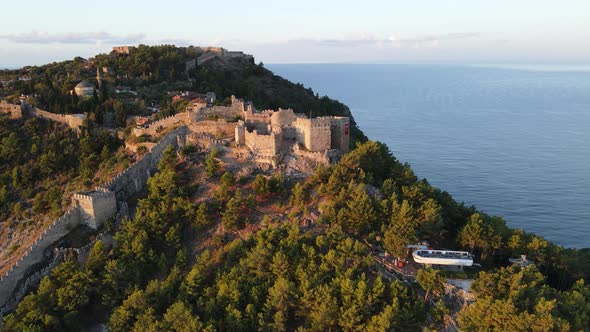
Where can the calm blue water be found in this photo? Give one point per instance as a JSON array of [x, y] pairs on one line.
[[514, 143]]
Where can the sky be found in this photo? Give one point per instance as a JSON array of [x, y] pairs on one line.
[[305, 31]]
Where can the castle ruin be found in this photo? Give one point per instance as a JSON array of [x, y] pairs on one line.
[[272, 134], [268, 135]]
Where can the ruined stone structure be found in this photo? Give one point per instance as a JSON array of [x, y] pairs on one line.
[[268, 133], [211, 53], [215, 120], [13, 111], [121, 50], [219, 128], [198, 112]]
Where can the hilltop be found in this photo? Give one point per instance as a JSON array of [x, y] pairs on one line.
[[232, 208]]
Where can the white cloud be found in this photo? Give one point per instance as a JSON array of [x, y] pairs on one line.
[[392, 41], [35, 37]]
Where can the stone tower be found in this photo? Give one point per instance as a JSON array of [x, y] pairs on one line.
[[96, 206]]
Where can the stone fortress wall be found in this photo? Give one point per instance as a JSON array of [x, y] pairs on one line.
[[282, 118], [198, 119], [199, 113], [263, 145], [133, 179], [74, 121], [219, 128], [207, 53], [91, 208], [205, 113], [210, 53], [27, 283], [35, 255]]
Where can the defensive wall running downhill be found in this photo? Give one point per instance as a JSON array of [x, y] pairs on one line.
[[31, 280], [133, 179], [92, 208], [35, 255]]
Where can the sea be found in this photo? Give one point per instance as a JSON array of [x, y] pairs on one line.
[[512, 140]]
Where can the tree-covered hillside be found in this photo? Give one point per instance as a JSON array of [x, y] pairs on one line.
[[215, 247], [259, 270]]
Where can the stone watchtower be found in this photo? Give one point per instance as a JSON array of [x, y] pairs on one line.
[[96, 207]]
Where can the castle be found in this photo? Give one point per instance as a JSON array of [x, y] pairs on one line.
[[221, 54], [268, 135]]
